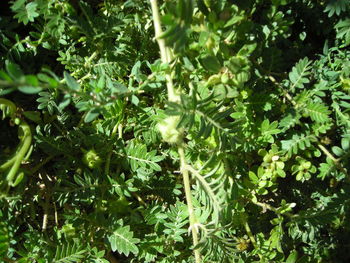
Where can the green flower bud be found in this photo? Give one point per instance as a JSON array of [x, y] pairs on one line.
[[92, 159], [17, 121]]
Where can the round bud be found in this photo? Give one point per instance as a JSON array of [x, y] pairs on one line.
[[92, 159], [17, 121]]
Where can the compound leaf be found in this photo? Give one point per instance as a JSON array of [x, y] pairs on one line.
[[122, 240]]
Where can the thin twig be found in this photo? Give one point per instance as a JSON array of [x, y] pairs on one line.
[[139, 198], [250, 234], [285, 93], [330, 156], [271, 208]]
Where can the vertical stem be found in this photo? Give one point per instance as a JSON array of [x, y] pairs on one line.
[[120, 131], [187, 186], [166, 56], [44, 225], [56, 215], [165, 53], [158, 31]]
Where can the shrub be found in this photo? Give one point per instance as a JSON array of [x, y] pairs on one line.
[[174, 131]]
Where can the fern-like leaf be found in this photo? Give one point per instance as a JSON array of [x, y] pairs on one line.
[[212, 192], [290, 120], [326, 169], [299, 75], [318, 112], [69, 253], [343, 28], [298, 142], [122, 240], [177, 219], [139, 157], [205, 118], [4, 239], [337, 7], [178, 24], [217, 246]]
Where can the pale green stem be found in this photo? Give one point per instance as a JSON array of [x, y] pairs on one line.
[[165, 52], [22, 150], [115, 129], [326, 152], [120, 131], [88, 61], [8, 163], [8, 104], [166, 56], [271, 208], [250, 234], [187, 186], [335, 160]]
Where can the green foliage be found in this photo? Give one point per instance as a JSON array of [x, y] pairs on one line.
[[122, 241], [336, 7], [230, 146], [178, 21], [69, 253], [25, 12], [4, 238], [299, 74], [318, 112], [343, 30]]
